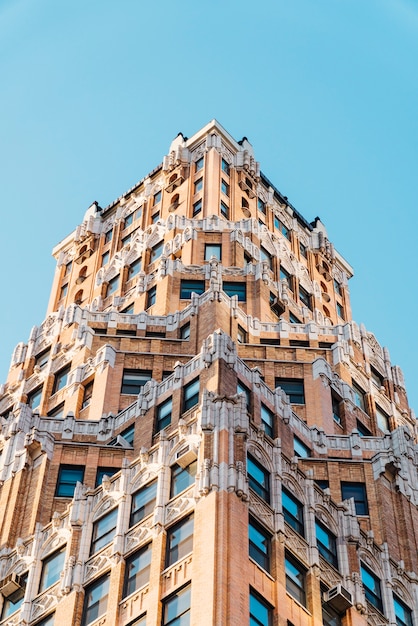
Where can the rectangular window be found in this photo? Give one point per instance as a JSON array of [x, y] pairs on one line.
[[224, 210], [363, 431], [104, 471], [261, 613], [143, 502], [14, 601], [164, 414], [225, 167], [261, 206], [267, 418], [327, 544], [127, 435], [197, 207], [34, 398], [293, 319], [198, 185], [278, 225], [336, 411], [182, 478], [41, 360], [284, 275], [47, 621], [403, 613], [293, 512], [126, 240], [340, 311], [68, 268], [157, 197], [293, 388], [137, 570], [52, 567], [108, 236], [258, 478], [129, 309], [190, 394], [187, 287], [64, 291], [358, 492], [156, 251], [337, 287], [382, 419], [295, 579], [213, 249], [105, 258], [235, 289], [304, 297], [303, 250], [241, 388], [224, 187], [128, 220], [300, 449], [151, 296], [134, 268], [104, 531], [176, 608], [376, 377], [359, 397], [199, 164], [179, 541], [112, 286], [329, 616], [88, 394], [241, 335], [68, 477], [57, 411], [134, 380], [371, 586], [266, 256], [60, 379], [259, 544], [95, 600]]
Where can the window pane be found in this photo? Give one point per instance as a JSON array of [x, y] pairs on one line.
[[179, 540], [95, 600], [327, 544], [293, 388], [134, 380], [60, 379], [300, 448], [260, 612], [358, 492], [371, 586], [182, 478], [212, 249], [104, 531], [138, 570], [259, 545], [67, 480], [259, 478], [191, 395], [52, 567], [235, 289], [295, 579], [164, 414], [402, 612], [176, 609], [187, 287], [293, 512], [267, 418], [143, 502]]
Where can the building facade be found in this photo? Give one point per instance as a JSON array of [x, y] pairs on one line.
[[198, 433]]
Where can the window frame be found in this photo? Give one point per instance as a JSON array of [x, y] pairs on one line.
[[328, 552], [104, 582], [182, 594], [406, 612], [259, 544], [112, 286], [267, 419], [190, 395], [297, 522], [107, 534], [66, 483], [130, 388], [217, 247], [294, 388], [262, 489], [187, 287], [178, 473], [151, 297], [147, 496], [60, 379], [178, 546], [255, 603], [373, 595], [163, 416], [295, 586], [361, 504], [49, 577], [233, 288], [130, 583]]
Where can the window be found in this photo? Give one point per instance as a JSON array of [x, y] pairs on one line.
[[104, 471], [340, 311], [179, 541], [293, 512], [197, 207], [225, 167], [187, 287], [371, 586], [191, 394], [134, 380], [129, 309], [241, 388], [157, 197], [241, 335], [156, 251], [103, 531], [182, 478], [363, 431], [294, 320], [95, 600], [261, 206], [126, 240], [327, 544], [267, 418], [300, 449], [260, 611], [112, 286], [68, 268], [359, 396], [224, 210], [330, 617], [68, 477], [295, 579], [127, 434], [176, 608], [304, 297], [105, 258], [403, 613], [258, 478], [34, 398], [358, 492], [322, 484], [259, 544], [64, 291], [382, 419], [143, 502], [128, 220], [164, 414], [134, 268], [108, 236], [281, 227], [303, 250], [41, 360], [284, 275], [52, 567], [151, 297], [224, 187], [185, 332], [337, 287], [57, 411], [266, 256], [88, 393], [155, 217], [293, 388], [137, 570], [336, 412], [199, 164], [47, 621], [198, 185], [213, 249], [15, 601], [235, 289], [376, 377]]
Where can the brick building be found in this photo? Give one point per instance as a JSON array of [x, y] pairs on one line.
[[199, 433]]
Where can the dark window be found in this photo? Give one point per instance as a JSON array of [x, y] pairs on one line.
[[235, 289], [68, 268], [156, 251], [134, 380], [241, 335], [187, 287], [52, 567], [57, 411], [260, 612], [179, 540], [327, 544], [403, 613], [125, 241], [358, 492], [95, 600], [224, 187], [225, 167], [371, 586], [64, 291], [137, 570], [151, 297], [322, 484], [337, 287], [293, 388], [247, 393], [329, 616], [303, 250], [359, 396], [199, 164], [340, 311], [34, 398], [127, 434], [42, 359], [284, 275], [60, 379], [293, 319], [125, 332], [134, 268], [300, 449], [47, 621], [176, 608], [267, 418], [266, 256], [304, 297], [191, 394], [128, 310], [258, 478], [213, 249], [198, 185], [185, 332], [299, 343], [224, 210], [104, 531], [261, 205], [104, 471], [108, 236], [295, 579], [377, 378], [362, 430], [182, 478], [336, 411], [164, 414], [112, 286], [197, 207], [293, 512], [143, 502], [68, 477], [87, 395], [259, 544]]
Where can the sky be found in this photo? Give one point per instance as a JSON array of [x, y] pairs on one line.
[[93, 92]]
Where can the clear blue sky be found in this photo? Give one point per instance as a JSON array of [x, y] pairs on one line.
[[93, 91]]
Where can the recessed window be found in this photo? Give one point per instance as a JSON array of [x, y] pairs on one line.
[[60, 379], [338, 288], [284, 275], [198, 185], [112, 286], [358, 492], [176, 608], [259, 544], [372, 587], [87, 395], [108, 236], [267, 419], [134, 380], [403, 613], [157, 197], [95, 600], [127, 434], [64, 291], [241, 335], [327, 544], [244, 203], [266, 256], [300, 449], [185, 332], [143, 502], [155, 217], [134, 268], [305, 297], [190, 394], [41, 360], [137, 570], [258, 478], [34, 398], [52, 567], [156, 251], [278, 225], [295, 579], [164, 411], [261, 206], [128, 310], [322, 484], [199, 164], [182, 478], [224, 187], [224, 210], [57, 411], [126, 240], [235, 289], [197, 207], [104, 471], [359, 396], [47, 621], [303, 250], [15, 601], [151, 296], [225, 167], [382, 420], [105, 258], [336, 410], [376, 377], [363, 431], [241, 388], [293, 388], [187, 287], [104, 530], [261, 613], [213, 249], [293, 512], [293, 319], [128, 220], [330, 617], [68, 267], [179, 541], [68, 477], [340, 311]]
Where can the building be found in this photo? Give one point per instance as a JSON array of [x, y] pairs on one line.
[[198, 432]]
